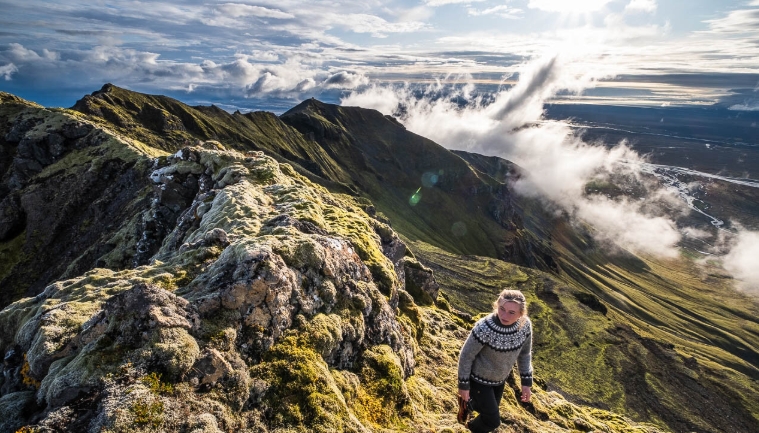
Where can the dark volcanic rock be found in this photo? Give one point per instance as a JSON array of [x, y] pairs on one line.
[[419, 281], [12, 217]]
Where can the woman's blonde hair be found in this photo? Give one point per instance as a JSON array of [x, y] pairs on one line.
[[511, 295]]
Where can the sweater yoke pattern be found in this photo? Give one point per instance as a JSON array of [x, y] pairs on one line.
[[501, 338], [491, 350]]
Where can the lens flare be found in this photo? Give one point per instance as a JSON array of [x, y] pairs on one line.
[[458, 229], [415, 197], [429, 179]]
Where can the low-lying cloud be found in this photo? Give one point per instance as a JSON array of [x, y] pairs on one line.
[[559, 164], [743, 258], [7, 71]]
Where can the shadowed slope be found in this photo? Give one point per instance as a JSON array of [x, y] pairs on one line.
[[428, 192]]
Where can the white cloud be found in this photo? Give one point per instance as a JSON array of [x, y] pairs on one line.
[[559, 165], [500, 10], [365, 23], [575, 6], [696, 233], [20, 54], [449, 2], [641, 6], [237, 10], [258, 74], [419, 13], [345, 80], [265, 56], [736, 22], [380, 98], [743, 258], [754, 106], [7, 71]]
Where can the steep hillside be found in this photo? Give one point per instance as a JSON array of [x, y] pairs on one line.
[[428, 192], [415, 182], [69, 191], [168, 124]]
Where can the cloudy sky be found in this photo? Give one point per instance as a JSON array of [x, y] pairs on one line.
[[269, 54]]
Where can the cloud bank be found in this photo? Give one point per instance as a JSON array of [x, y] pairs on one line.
[[743, 258], [559, 164]]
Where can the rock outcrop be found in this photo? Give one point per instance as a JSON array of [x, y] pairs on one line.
[[262, 268]]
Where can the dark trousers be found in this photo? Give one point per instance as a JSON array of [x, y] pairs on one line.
[[486, 401]]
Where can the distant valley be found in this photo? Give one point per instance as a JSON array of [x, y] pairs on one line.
[[708, 156]]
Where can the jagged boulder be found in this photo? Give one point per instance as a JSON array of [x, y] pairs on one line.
[[419, 281]]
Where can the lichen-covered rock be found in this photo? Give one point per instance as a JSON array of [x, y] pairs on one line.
[[13, 406], [263, 269], [419, 281]]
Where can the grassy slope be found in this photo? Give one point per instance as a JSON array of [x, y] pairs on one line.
[[692, 310], [647, 359], [168, 124], [359, 152]]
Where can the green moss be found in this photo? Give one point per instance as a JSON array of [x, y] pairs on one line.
[[148, 414], [470, 283], [324, 333], [153, 382], [382, 376], [302, 388], [167, 281], [410, 315], [174, 349]]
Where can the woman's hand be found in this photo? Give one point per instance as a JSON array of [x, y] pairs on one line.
[[464, 394], [526, 394]]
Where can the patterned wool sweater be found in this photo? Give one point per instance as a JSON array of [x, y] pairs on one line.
[[491, 350]]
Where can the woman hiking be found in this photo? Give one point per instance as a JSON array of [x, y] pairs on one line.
[[496, 343]]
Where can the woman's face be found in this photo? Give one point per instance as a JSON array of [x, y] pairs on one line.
[[508, 313]]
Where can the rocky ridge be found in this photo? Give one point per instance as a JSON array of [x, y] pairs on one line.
[[267, 253]]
